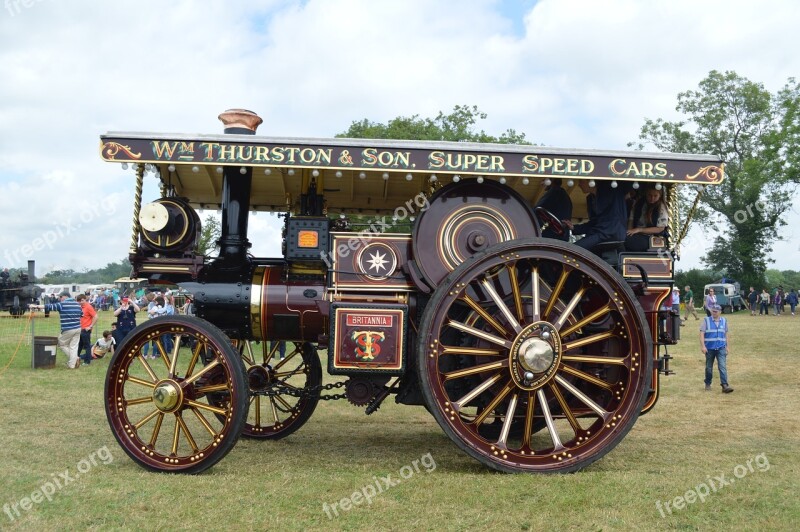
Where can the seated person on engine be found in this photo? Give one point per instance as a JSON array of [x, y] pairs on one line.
[[648, 217]]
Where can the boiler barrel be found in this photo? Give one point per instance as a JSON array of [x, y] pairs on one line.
[[260, 303]]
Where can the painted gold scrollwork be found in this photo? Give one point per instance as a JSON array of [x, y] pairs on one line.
[[711, 173], [111, 149]]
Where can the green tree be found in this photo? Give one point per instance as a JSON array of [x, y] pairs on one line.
[[458, 126], [209, 234], [757, 134]]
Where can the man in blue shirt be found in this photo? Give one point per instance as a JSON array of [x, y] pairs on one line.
[[70, 312], [714, 345]]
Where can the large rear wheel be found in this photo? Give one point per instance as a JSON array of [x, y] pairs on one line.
[[184, 410], [535, 356]]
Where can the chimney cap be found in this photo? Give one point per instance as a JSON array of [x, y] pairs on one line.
[[240, 121]]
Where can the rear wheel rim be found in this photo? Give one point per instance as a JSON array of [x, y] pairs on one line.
[[497, 368]]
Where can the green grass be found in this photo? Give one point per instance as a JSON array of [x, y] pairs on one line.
[[52, 419]]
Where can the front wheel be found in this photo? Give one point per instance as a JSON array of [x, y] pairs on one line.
[[535, 356], [182, 408]]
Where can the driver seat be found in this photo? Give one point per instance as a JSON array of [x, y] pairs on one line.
[[609, 251]]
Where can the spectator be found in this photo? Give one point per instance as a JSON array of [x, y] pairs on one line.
[[710, 301], [777, 302], [188, 306], [157, 309], [115, 333], [104, 345], [88, 319], [648, 218], [126, 318], [764, 310], [688, 299], [115, 298], [70, 313], [792, 298], [752, 300], [715, 346], [676, 303]]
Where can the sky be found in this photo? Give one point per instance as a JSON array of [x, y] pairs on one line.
[[567, 73]]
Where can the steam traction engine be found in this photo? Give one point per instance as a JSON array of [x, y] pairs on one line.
[[531, 353]]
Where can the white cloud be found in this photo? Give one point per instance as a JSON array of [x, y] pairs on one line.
[[573, 74]]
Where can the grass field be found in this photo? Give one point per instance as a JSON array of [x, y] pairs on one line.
[[52, 422]]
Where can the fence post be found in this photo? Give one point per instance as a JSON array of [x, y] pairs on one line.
[[33, 336]]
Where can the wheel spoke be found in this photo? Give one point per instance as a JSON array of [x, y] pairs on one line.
[[483, 314], [492, 405], [274, 409], [474, 370], [249, 358], [195, 357], [216, 410], [585, 376], [473, 351], [568, 309], [526, 436], [137, 380], [258, 410], [146, 418], [286, 359], [536, 296], [548, 419], [176, 345], [501, 306], [569, 346], [282, 401], [203, 421], [485, 385], [296, 371], [214, 363], [186, 432], [139, 401], [587, 359], [512, 406], [176, 435], [212, 388], [583, 398], [156, 430], [163, 352], [602, 311], [147, 367], [480, 334], [512, 275], [556, 292], [266, 354], [565, 408]]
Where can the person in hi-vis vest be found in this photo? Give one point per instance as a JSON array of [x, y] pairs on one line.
[[714, 344]]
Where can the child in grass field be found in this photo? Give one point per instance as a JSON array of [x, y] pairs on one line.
[[104, 345]]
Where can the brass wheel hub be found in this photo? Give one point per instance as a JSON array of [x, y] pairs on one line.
[[535, 356], [167, 396]]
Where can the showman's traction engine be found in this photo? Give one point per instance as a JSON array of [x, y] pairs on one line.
[[411, 269]]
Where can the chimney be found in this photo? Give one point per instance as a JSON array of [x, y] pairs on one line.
[[233, 242]]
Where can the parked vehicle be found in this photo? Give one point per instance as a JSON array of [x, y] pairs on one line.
[[729, 296], [532, 354]]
